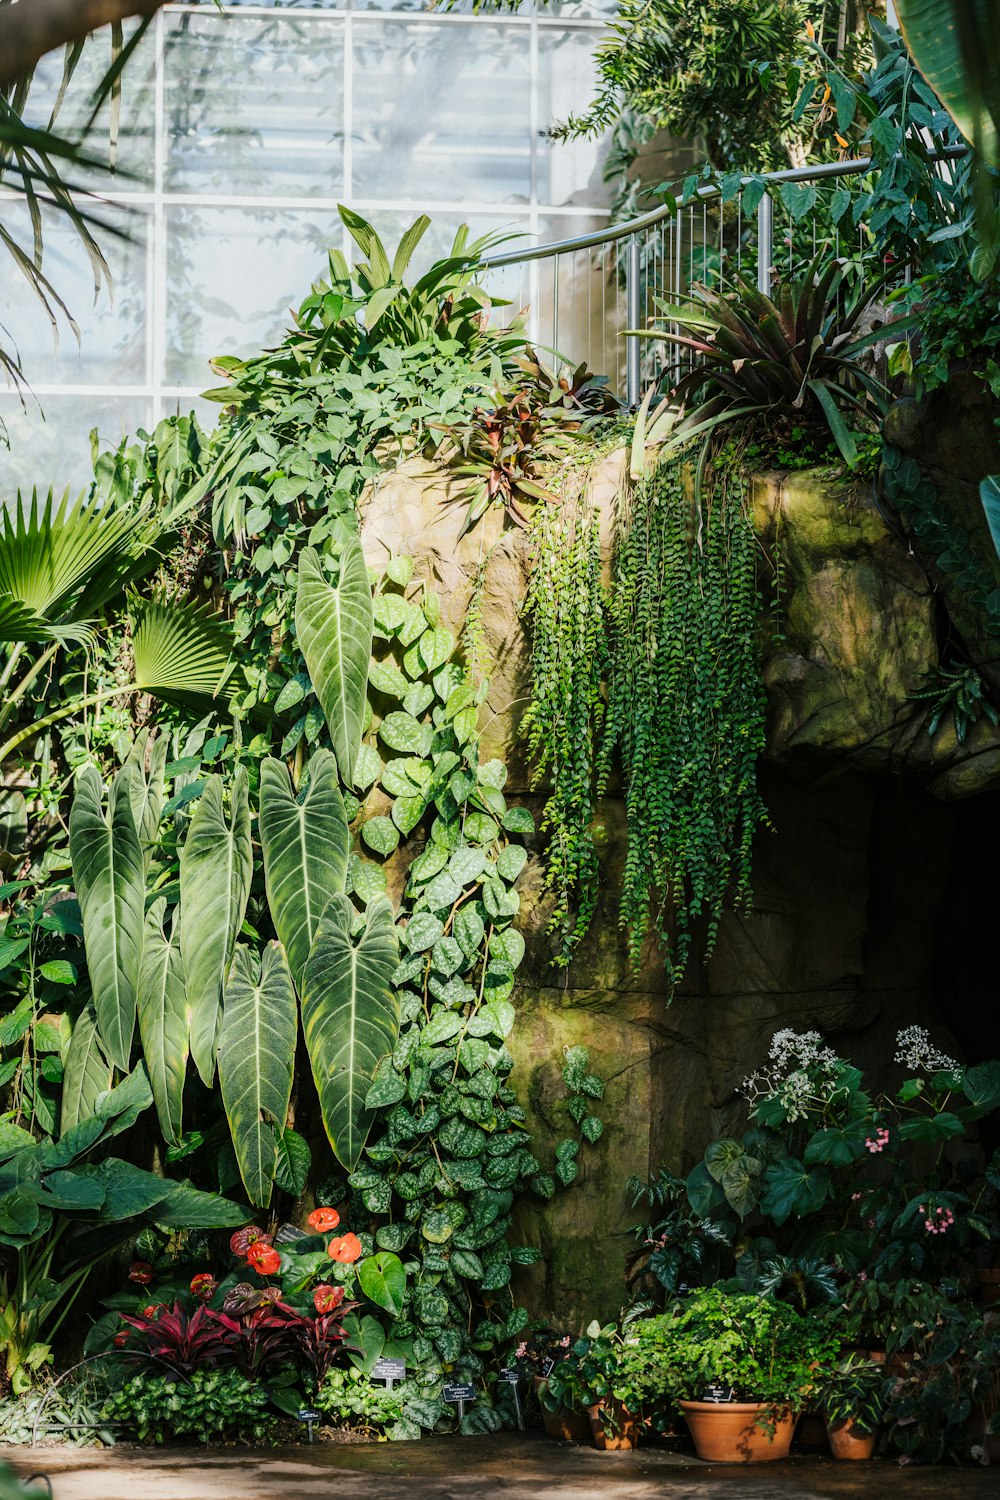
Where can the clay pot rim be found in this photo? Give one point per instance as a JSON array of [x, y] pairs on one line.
[[782, 1408]]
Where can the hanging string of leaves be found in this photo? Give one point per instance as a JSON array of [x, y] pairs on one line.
[[662, 668], [686, 704], [565, 611]]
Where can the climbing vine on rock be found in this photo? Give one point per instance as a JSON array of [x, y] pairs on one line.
[[449, 1151]]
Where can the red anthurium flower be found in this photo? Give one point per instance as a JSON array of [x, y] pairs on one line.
[[140, 1271], [203, 1286], [121, 1339], [326, 1297], [263, 1259], [154, 1309], [347, 1249], [323, 1219], [240, 1242]]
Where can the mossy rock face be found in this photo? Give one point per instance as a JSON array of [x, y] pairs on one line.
[[846, 894]]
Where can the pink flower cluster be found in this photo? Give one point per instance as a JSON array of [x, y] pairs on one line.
[[880, 1141], [938, 1221]]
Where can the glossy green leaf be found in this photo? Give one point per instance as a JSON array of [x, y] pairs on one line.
[[334, 629], [305, 845], [256, 1062], [383, 1281], [350, 1016], [110, 886], [163, 1020], [88, 1072], [216, 864]]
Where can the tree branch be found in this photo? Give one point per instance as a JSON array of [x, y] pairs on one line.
[[31, 28]]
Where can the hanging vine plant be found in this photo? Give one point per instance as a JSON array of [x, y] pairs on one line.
[[661, 669]]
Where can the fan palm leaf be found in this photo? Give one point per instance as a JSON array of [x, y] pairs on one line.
[[182, 652]]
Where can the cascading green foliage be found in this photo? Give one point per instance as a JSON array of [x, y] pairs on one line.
[[570, 663], [660, 668], [686, 706]]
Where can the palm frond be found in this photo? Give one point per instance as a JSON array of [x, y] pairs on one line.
[[70, 558], [182, 652]]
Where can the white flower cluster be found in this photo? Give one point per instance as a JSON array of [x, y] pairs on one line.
[[802, 1071], [804, 1048], [915, 1050]]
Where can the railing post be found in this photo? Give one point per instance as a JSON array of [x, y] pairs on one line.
[[765, 246], [633, 313]]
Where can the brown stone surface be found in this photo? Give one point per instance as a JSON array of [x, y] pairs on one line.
[[849, 880], [509, 1465]]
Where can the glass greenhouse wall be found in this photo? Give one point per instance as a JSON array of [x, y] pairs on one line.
[[240, 133]]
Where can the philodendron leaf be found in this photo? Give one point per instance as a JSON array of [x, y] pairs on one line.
[[334, 630], [256, 1061], [350, 1016], [88, 1072], [163, 1019], [216, 865], [147, 789], [305, 844], [110, 887], [989, 495]]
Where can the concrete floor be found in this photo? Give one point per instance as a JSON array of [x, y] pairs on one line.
[[508, 1466]]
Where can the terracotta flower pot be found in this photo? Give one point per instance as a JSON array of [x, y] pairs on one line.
[[623, 1439], [848, 1441], [727, 1432], [564, 1425]]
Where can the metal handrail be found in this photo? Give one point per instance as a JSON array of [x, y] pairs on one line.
[[633, 230]]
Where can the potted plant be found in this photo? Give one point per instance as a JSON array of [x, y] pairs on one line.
[[739, 1367], [540, 1356], [588, 1380], [852, 1398]]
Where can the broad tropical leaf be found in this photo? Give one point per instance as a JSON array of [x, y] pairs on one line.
[[989, 496], [956, 46], [334, 630], [163, 1019], [87, 1074], [110, 886], [350, 1016], [305, 844], [182, 652], [147, 788], [216, 865], [256, 1062]]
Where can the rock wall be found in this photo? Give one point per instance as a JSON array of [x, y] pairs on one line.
[[850, 880]]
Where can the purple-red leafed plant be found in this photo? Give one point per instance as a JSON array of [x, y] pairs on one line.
[[181, 1340]]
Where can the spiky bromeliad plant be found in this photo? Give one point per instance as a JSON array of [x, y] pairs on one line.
[[758, 356]]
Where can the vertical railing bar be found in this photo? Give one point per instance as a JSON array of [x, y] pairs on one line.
[[765, 246], [633, 314]]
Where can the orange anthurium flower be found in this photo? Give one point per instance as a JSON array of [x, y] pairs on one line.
[[322, 1219], [347, 1249], [264, 1259]]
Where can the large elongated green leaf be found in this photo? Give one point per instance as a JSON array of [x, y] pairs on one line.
[[163, 1019], [334, 630], [216, 865], [956, 46], [256, 1062], [350, 1016], [110, 886], [147, 788], [88, 1072], [305, 844]]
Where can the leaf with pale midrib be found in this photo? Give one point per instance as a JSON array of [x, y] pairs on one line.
[[334, 630], [350, 1016], [305, 847], [256, 1062], [163, 1020], [110, 886], [88, 1073], [216, 865]]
